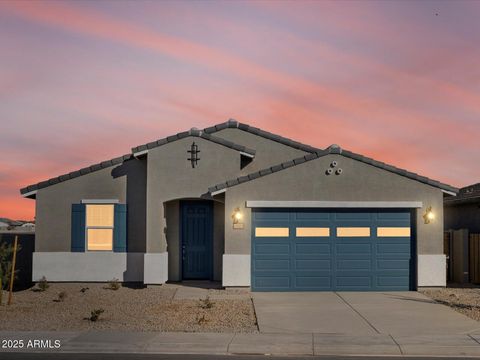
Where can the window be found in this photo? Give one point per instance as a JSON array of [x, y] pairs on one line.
[[312, 232], [393, 232], [271, 232], [99, 226], [353, 232]]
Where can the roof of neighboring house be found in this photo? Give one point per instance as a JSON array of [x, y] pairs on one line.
[[467, 194], [265, 134], [333, 149], [196, 133]]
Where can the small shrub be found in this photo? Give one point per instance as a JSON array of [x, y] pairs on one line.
[[201, 320], [206, 303], [62, 295], [113, 284], [43, 284], [82, 290], [95, 314]]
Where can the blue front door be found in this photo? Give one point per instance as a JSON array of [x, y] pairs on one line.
[[197, 239]]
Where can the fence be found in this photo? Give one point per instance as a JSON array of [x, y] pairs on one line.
[[24, 257], [474, 258]]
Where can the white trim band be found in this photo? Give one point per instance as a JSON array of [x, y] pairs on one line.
[[99, 201], [30, 193], [219, 192], [334, 204], [140, 153], [247, 154]]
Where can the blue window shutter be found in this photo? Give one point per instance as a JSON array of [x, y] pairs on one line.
[[78, 227], [120, 228]]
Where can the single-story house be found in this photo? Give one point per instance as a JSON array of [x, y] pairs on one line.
[[237, 204], [463, 210]]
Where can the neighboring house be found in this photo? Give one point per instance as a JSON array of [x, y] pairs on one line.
[[244, 206], [462, 235], [463, 210], [28, 226]]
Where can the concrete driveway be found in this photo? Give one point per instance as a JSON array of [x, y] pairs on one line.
[[358, 313]]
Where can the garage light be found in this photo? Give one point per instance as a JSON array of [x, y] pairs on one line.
[[237, 217], [429, 216]]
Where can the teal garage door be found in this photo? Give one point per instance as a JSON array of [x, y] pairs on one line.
[[332, 250]]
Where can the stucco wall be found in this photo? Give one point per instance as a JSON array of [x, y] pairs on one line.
[[268, 152], [358, 182], [54, 204], [463, 216], [171, 177]]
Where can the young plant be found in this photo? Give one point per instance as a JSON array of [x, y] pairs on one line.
[[43, 284], [95, 314], [62, 295], [206, 303], [113, 284]]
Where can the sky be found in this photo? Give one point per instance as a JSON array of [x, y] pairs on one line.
[[85, 81]]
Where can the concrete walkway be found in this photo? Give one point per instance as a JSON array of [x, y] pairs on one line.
[[359, 314], [273, 344]]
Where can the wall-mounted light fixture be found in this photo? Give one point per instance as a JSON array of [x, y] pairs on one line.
[[237, 217], [429, 215]]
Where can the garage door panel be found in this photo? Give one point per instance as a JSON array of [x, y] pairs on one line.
[[394, 215], [395, 281], [272, 264], [272, 248], [272, 282], [343, 282], [311, 248], [394, 248], [269, 214], [353, 248], [355, 216], [309, 216], [327, 262], [309, 283], [393, 264], [354, 264], [313, 264]]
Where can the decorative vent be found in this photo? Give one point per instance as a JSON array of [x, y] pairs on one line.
[[193, 154]]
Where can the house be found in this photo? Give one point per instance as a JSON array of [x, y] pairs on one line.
[[28, 226], [4, 224], [238, 204], [463, 210]]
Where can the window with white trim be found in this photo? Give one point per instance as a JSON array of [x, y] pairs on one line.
[[99, 227]]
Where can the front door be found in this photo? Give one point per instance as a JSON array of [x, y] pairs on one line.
[[197, 239]]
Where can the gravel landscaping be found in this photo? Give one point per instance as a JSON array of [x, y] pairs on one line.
[[463, 300], [142, 309]]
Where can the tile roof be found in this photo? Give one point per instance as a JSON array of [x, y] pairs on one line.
[[333, 149], [196, 133], [192, 132], [265, 134], [75, 174]]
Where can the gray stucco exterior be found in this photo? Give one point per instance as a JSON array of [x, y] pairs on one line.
[[358, 182], [155, 181]]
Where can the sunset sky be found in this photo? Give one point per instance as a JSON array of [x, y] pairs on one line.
[[82, 82]]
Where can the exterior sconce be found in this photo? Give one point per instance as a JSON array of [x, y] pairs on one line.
[[429, 216], [237, 217]]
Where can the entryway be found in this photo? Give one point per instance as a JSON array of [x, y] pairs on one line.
[[196, 234]]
